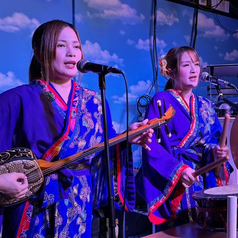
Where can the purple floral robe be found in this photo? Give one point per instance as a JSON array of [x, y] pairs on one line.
[[36, 117], [194, 129]]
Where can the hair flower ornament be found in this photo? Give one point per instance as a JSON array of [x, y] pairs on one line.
[[162, 65]]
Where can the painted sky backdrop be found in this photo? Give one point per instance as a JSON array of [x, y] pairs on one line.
[[115, 33]]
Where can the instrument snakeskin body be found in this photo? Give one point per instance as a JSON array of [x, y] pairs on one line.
[[21, 160]]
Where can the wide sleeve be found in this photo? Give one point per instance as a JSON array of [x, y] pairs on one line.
[[211, 179], [9, 113], [122, 170], [121, 173], [10, 107], [161, 172]]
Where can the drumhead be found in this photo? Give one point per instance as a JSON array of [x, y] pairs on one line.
[[223, 190]]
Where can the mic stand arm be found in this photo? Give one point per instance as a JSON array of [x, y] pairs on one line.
[[102, 86], [221, 97]]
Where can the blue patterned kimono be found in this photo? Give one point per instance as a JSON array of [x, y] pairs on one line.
[[195, 129], [36, 117]]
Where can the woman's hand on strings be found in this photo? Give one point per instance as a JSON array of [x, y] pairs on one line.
[[144, 137]]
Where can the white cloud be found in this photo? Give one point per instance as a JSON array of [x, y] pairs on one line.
[[79, 18], [204, 23], [114, 9], [18, 21], [166, 19], [134, 92], [145, 45], [122, 99], [9, 80], [94, 52], [130, 42], [235, 35], [208, 29], [221, 55], [188, 13], [202, 63], [218, 33], [140, 87], [187, 38], [233, 56], [174, 44], [89, 15], [122, 32], [102, 4]]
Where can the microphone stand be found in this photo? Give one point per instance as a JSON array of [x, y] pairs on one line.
[[102, 86], [221, 97]]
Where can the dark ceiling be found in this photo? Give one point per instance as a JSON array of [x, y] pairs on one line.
[[212, 6]]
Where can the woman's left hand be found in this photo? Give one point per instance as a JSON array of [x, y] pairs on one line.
[[220, 152], [144, 137]]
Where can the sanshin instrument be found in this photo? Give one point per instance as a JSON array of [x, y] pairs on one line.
[[22, 160]]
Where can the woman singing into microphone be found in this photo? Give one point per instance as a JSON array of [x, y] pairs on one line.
[[56, 118], [167, 170]]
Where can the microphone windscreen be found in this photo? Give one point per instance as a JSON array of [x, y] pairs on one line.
[[204, 76], [81, 64]]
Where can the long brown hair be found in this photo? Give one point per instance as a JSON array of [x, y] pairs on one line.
[[44, 42], [173, 61]]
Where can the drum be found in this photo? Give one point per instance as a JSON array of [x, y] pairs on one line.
[[233, 141], [212, 207]]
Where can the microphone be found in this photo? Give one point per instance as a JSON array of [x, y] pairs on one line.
[[85, 66], [206, 77]]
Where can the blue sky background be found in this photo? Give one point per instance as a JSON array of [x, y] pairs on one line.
[[115, 33]]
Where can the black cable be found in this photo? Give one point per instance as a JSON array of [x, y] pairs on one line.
[[136, 223], [192, 31], [222, 26], [195, 28], [216, 15], [127, 146], [235, 9], [212, 7], [219, 22], [73, 12], [216, 5], [153, 45], [193, 37], [142, 103], [153, 54]]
